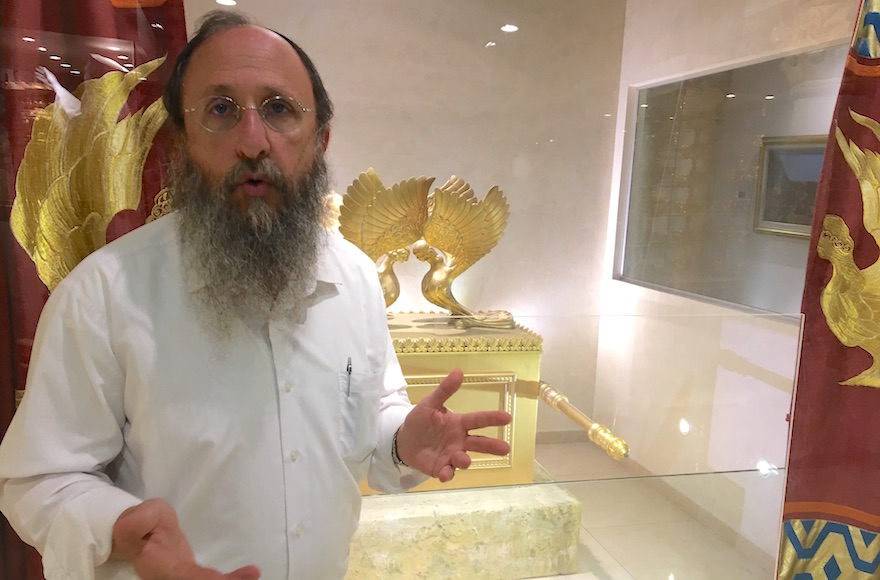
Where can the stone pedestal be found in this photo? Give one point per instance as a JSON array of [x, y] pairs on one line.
[[489, 533]]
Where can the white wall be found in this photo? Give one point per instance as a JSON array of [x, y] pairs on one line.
[[663, 354]]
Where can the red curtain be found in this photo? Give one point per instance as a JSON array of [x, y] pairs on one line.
[[832, 508], [63, 36]]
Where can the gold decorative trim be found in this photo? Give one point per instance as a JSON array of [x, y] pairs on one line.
[[19, 395], [161, 205], [505, 383], [531, 342], [810, 548]]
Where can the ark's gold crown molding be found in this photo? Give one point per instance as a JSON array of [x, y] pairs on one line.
[[517, 339]]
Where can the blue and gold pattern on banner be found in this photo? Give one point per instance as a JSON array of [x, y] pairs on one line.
[[822, 550], [865, 39]]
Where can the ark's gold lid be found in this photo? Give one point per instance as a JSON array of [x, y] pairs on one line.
[[419, 332]]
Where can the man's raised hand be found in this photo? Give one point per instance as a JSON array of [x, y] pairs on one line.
[[435, 440]]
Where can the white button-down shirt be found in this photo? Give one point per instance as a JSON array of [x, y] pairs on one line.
[[258, 443]]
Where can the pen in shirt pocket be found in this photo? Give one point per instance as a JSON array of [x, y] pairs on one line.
[[348, 370]]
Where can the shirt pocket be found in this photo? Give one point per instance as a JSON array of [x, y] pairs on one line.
[[359, 397]]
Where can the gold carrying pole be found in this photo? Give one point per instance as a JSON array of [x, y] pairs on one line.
[[598, 433]]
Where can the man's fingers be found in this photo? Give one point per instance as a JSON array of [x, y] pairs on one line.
[[246, 573], [134, 525], [448, 386], [486, 445], [140, 520], [196, 572], [446, 473], [460, 460], [479, 419]]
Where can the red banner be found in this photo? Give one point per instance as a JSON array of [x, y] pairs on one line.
[[47, 48], [832, 508]]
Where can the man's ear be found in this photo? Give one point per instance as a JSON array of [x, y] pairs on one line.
[[324, 138]]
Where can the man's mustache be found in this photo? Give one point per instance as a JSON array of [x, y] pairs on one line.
[[264, 169]]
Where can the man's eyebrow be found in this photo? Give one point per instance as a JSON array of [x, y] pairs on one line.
[[226, 90], [217, 90]]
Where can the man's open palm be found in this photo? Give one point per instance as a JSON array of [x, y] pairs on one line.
[[435, 440]]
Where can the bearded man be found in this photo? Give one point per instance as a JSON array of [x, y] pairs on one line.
[[207, 391]]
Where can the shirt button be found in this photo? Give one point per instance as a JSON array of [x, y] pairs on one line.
[[294, 456], [287, 387]]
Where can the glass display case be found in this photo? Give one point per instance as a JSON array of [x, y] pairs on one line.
[[724, 177], [702, 404]]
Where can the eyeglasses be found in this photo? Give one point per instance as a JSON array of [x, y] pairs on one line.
[[220, 114]]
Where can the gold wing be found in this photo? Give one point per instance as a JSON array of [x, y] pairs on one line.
[[866, 167], [77, 173], [462, 227], [855, 321], [379, 220], [851, 299]]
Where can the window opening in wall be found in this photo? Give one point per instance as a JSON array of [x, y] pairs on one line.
[[693, 221]]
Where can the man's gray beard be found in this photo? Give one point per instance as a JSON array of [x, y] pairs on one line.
[[254, 260]]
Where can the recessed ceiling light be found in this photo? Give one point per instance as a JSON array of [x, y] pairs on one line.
[[65, 65], [54, 57], [114, 48], [157, 25], [74, 72], [730, 96], [505, 28], [226, 2], [489, 44], [644, 105], [607, 114], [769, 97], [128, 65], [122, 57], [42, 49], [28, 38]]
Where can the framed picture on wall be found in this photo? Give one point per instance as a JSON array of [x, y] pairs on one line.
[[788, 176]]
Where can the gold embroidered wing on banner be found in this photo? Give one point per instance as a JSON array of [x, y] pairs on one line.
[[78, 172], [851, 299]]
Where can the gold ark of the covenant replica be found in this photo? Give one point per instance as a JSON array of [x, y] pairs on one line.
[[450, 230]]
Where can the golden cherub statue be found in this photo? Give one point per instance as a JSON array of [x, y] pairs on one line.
[[449, 229]]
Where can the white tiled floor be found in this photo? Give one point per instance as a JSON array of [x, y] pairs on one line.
[[631, 531]]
